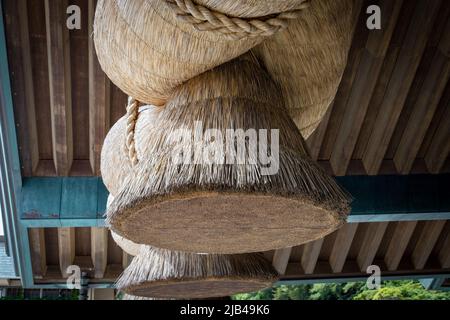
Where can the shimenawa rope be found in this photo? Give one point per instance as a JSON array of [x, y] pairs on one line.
[[132, 116], [204, 19]]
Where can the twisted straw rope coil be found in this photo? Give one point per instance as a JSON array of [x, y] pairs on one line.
[[308, 59], [147, 51], [132, 115], [206, 208], [114, 166], [252, 9]]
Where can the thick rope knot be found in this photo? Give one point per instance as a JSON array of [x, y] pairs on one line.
[[204, 19], [132, 116]]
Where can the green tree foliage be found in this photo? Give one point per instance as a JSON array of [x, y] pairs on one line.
[[402, 290], [390, 290], [292, 292], [266, 294]]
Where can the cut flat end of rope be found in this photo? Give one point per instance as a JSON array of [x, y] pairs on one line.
[[233, 28]]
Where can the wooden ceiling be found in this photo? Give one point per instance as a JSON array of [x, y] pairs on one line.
[[92, 249], [390, 115], [398, 248], [64, 104]]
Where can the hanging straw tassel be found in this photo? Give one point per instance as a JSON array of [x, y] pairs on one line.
[[149, 47], [308, 59], [225, 208], [159, 273]]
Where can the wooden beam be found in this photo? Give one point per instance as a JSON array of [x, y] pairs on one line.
[[425, 106], [21, 75], [341, 246], [99, 251], [311, 251], [439, 148], [444, 254], [102, 294], [314, 141], [399, 242], [395, 198], [338, 108], [425, 244], [370, 244], [66, 249], [126, 260], [401, 79], [281, 259], [363, 87], [99, 100], [59, 82], [38, 251]]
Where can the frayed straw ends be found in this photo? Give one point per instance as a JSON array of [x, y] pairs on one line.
[[227, 208], [160, 273], [309, 57]]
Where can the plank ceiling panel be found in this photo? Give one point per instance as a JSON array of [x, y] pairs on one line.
[[431, 153]]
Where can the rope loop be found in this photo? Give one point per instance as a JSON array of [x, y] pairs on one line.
[[132, 116], [204, 19]]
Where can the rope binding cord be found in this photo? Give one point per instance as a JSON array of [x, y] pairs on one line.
[[132, 116], [204, 19]]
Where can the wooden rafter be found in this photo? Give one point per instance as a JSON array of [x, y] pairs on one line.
[[341, 246], [440, 145], [370, 244], [38, 251], [281, 259], [99, 251], [425, 105], [362, 89], [311, 252], [126, 260], [426, 242], [99, 100], [400, 239], [444, 253], [400, 82], [60, 84], [66, 249], [325, 144]]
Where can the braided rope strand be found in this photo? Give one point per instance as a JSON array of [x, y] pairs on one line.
[[132, 116], [204, 19]]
